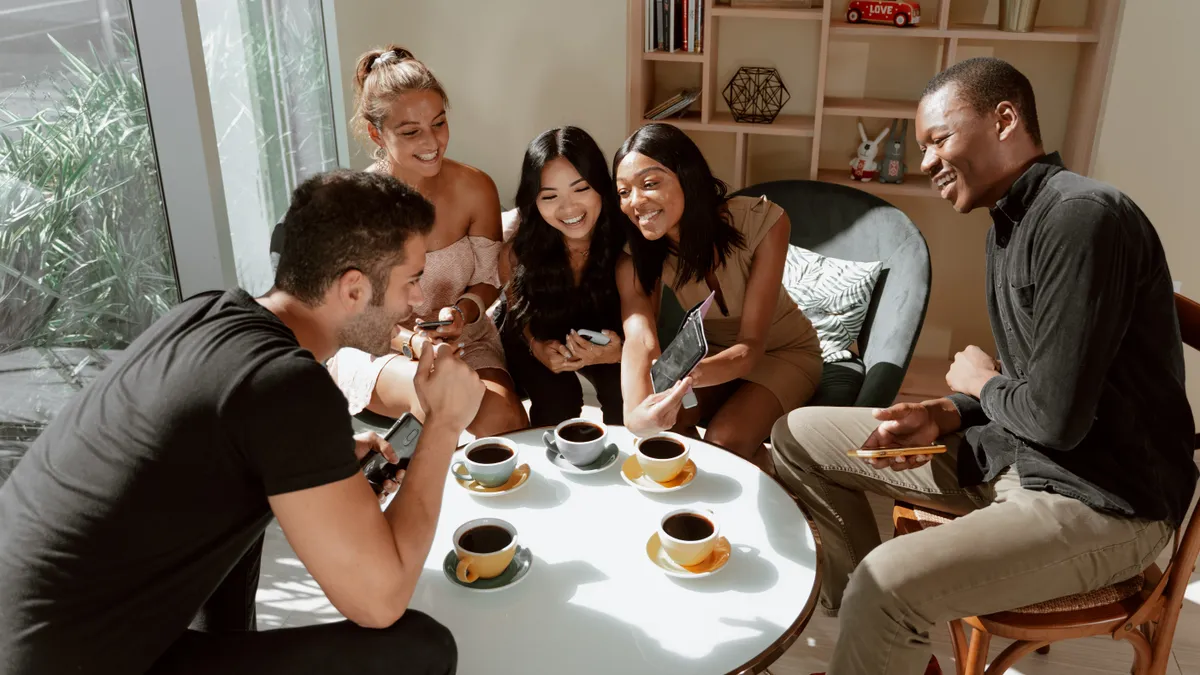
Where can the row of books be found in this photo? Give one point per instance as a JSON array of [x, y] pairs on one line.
[[675, 25], [675, 105]]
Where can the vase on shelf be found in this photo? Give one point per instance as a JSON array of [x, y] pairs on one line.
[[1017, 16]]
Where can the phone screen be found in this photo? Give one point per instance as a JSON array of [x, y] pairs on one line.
[[682, 355]]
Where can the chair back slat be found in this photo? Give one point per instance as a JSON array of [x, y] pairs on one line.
[[1184, 560]]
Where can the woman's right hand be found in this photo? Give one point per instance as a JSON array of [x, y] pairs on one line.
[[555, 356], [657, 412]]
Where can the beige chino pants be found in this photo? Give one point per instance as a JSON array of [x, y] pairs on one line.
[[1012, 547]]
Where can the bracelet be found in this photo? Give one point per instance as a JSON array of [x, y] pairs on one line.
[[475, 299], [461, 315]]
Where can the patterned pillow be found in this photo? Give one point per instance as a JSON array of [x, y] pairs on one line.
[[834, 294]]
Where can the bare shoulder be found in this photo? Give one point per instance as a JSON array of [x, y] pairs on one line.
[[470, 183]]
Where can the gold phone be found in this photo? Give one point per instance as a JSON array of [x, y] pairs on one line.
[[875, 453]]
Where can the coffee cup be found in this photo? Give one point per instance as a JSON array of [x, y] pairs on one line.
[[487, 461], [689, 535], [485, 547], [579, 441], [662, 456]]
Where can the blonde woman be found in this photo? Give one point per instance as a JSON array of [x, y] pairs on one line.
[[402, 114]]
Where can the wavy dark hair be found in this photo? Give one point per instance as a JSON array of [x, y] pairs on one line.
[[543, 289], [707, 236]]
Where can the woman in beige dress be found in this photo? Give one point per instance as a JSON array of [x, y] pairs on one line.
[[402, 111], [764, 356]]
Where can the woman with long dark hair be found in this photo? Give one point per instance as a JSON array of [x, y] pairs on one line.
[[764, 356], [560, 273]]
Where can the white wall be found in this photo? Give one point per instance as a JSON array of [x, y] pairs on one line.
[[511, 68], [1149, 142]]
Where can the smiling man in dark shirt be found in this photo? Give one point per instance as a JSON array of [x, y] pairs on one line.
[[1071, 463]]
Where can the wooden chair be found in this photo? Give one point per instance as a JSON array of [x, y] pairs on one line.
[[1143, 610]]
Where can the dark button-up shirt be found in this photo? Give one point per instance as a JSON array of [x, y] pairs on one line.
[[1091, 401]]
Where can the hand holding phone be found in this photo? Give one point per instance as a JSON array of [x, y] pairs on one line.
[[403, 437]]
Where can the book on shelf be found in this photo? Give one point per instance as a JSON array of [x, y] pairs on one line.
[[674, 26], [674, 105], [776, 4]]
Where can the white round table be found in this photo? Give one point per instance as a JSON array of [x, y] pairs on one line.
[[593, 602]]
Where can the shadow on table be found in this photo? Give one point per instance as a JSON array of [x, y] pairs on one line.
[[709, 487], [746, 571], [540, 493], [556, 642]]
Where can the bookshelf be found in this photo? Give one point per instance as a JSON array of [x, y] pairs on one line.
[[944, 30]]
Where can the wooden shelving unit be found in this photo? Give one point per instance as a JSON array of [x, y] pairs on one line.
[[1095, 40]]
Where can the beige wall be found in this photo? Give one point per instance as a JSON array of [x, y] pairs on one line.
[[512, 69], [516, 67], [1149, 142]]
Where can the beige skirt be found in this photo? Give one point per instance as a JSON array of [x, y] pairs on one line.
[[790, 368]]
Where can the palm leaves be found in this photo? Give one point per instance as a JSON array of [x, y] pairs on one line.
[[84, 254]]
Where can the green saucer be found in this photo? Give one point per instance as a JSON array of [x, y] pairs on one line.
[[512, 575]]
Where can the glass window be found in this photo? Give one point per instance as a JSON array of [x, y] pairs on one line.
[[85, 259], [268, 79]]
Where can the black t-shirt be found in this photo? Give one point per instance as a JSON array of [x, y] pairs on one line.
[[151, 484]]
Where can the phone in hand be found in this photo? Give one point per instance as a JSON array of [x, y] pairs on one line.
[[403, 437], [593, 336], [897, 451], [423, 325], [685, 352]]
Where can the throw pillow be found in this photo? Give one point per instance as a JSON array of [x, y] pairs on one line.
[[834, 294]]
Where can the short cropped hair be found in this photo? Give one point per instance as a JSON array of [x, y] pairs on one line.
[[345, 220], [984, 82]]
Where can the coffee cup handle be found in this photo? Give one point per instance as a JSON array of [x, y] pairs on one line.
[[465, 473], [464, 572], [548, 439]]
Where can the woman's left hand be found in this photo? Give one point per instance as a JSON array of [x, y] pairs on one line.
[[593, 354], [450, 332]]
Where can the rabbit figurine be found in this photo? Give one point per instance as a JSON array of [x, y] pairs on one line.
[[894, 168], [864, 167]]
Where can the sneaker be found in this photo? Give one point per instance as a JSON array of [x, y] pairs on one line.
[[932, 669]]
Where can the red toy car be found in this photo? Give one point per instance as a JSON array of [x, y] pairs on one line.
[[900, 13]]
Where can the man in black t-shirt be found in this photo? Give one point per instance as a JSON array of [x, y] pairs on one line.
[[145, 501]]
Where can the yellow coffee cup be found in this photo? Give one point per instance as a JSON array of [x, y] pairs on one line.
[[485, 547], [662, 456]]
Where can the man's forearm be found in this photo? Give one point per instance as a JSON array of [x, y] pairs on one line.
[[413, 513]]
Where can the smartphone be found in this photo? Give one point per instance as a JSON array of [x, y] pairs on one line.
[[685, 352], [403, 436], [593, 336], [421, 325], [897, 451]]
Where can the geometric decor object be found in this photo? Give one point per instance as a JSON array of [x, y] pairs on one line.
[[756, 95]]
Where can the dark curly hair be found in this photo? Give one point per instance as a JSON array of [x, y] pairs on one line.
[[544, 295], [342, 220], [985, 82], [707, 236]]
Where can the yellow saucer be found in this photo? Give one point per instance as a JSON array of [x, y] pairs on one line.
[[518, 479], [714, 563], [631, 471]]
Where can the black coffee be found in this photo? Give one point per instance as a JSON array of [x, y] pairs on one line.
[[485, 539], [489, 454], [688, 527], [661, 448], [581, 433]]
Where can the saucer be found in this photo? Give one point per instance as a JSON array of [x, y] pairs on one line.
[[605, 460], [631, 471], [518, 479], [512, 575], [714, 563]]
